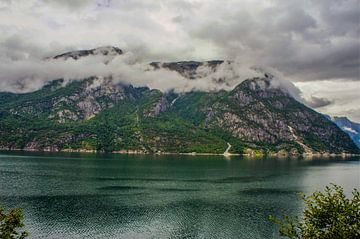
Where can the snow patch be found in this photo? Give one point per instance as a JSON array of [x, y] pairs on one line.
[[350, 130]]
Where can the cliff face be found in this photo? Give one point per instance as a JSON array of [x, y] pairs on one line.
[[349, 127], [105, 51], [96, 114], [257, 116], [92, 116], [77, 101], [256, 112]]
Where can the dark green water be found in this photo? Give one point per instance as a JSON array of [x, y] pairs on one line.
[[119, 196]]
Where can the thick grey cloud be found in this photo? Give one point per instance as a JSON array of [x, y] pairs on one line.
[[313, 41], [342, 96], [318, 102], [25, 75], [72, 4], [306, 40]]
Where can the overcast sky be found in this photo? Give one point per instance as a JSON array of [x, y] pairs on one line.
[[313, 43]]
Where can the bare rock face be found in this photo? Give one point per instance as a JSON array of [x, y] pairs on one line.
[[259, 131], [188, 69], [258, 113], [89, 107], [349, 127], [32, 146], [94, 96], [105, 51], [242, 98], [64, 115], [97, 114], [85, 101], [37, 146], [160, 106]]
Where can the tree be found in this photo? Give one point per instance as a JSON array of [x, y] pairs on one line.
[[10, 223], [327, 215]]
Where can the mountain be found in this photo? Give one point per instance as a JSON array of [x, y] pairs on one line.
[[75, 55], [349, 127], [97, 114]]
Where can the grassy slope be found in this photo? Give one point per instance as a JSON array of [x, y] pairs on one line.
[[181, 129]]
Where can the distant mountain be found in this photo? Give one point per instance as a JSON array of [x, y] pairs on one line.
[[351, 128], [106, 50], [96, 114]]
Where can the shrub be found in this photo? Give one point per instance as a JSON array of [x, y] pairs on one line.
[[327, 215], [10, 223]]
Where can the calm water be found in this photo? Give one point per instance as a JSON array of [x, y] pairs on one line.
[[118, 196]]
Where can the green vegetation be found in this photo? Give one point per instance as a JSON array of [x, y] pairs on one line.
[[127, 118], [10, 223], [327, 215]]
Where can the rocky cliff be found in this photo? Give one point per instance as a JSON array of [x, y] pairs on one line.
[[349, 127], [97, 114]]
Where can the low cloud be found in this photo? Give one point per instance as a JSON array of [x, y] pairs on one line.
[[30, 75], [305, 41], [343, 95], [318, 102]]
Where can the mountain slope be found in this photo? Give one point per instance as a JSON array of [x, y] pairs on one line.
[[96, 114], [109, 51], [349, 127], [114, 117], [265, 117]]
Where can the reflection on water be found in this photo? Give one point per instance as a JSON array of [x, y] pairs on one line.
[[142, 196]]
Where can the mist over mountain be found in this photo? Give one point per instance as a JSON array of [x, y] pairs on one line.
[[113, 103], [311, 44], [179, 118], [125, 67], [350, 127]]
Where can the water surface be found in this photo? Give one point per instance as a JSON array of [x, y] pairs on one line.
[[142, 196]]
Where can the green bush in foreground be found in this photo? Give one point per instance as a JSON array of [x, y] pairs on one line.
[[327, 215], [10, 223]]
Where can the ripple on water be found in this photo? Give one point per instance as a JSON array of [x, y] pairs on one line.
[[268, 191], [119, 188]]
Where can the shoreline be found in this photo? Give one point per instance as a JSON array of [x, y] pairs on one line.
[[225, 154]]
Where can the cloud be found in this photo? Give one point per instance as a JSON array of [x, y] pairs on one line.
[[24, 75], [305, 41], [28, 75], [318, 102], [72, 4], [343, 95]]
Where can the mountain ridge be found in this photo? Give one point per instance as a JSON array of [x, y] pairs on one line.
[[350, 127], [95, 114], [105, 50]]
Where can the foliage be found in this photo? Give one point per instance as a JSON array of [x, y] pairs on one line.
[[327, 215], [10, 223], [193, 123]]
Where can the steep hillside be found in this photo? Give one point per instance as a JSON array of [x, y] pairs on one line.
[[349, 127], [85, 115], [96, 114]]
